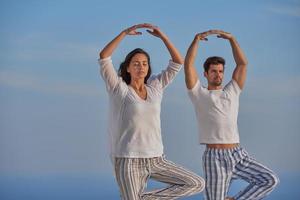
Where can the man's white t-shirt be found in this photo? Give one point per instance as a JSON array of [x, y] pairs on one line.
[[217, 113], [134, 123]]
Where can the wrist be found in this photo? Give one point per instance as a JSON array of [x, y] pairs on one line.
[[124, 32], [232, 39], [196, 39], [164, 38]]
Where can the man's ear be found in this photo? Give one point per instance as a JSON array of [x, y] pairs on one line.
[[205, 74]]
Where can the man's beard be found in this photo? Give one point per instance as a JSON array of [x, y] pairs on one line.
[[216, 83]]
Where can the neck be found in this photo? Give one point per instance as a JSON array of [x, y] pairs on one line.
[[137, 84], [213, 87]]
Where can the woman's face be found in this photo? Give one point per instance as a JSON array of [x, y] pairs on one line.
[[138, 67]]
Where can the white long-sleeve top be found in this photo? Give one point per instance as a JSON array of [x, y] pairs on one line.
[[134, 123]]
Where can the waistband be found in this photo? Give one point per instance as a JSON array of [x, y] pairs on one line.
[[224, 150], [222, 146], [141, 160]]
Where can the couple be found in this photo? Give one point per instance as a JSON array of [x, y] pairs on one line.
[[135, 131]]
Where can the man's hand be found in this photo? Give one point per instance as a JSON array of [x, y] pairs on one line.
[[219, 33], [203, 35], [223, 34]]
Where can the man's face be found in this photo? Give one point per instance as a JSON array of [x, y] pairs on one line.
[[215, 74]]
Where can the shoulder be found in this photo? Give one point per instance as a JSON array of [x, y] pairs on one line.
[[154, 82], [232, 87], [197, 90]]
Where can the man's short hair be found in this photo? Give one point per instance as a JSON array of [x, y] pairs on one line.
[[213, 60]]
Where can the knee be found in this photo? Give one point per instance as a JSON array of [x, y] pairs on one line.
[[272, 180], [198, 184]]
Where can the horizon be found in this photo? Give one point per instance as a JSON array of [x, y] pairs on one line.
[[54, 106]]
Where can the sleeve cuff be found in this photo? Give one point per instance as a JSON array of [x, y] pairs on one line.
[[174, 65], [236, 86], [100, 61], [195, 88]]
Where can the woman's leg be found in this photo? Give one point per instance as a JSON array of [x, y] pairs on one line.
[[181, 181], [131, 175]]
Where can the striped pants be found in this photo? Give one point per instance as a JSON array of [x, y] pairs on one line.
[[132, 175], [221, 166]]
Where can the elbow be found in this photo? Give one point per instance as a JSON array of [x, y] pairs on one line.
[[178, 60], [187, 64], [102, 55], [186, 61], [245, 62]]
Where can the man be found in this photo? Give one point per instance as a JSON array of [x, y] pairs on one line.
[[217, 111]]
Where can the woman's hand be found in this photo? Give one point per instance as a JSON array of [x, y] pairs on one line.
[[112, 45], [133, 29], [155, 31], [152, 29], [175, 54]]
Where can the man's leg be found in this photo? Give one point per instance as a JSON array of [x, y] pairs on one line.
[[217, 169], [131, 175], [181, 181], [261, 179]]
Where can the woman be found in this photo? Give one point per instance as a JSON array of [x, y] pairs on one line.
[[136, 143]]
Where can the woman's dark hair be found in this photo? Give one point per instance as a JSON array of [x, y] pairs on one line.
[[125, 64], [213, 60]]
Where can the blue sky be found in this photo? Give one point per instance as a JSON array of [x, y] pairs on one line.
[[53, 104]]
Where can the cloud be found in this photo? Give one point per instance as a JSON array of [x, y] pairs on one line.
[[288, 10], [48, 47], [274, 86], [41, 84]]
